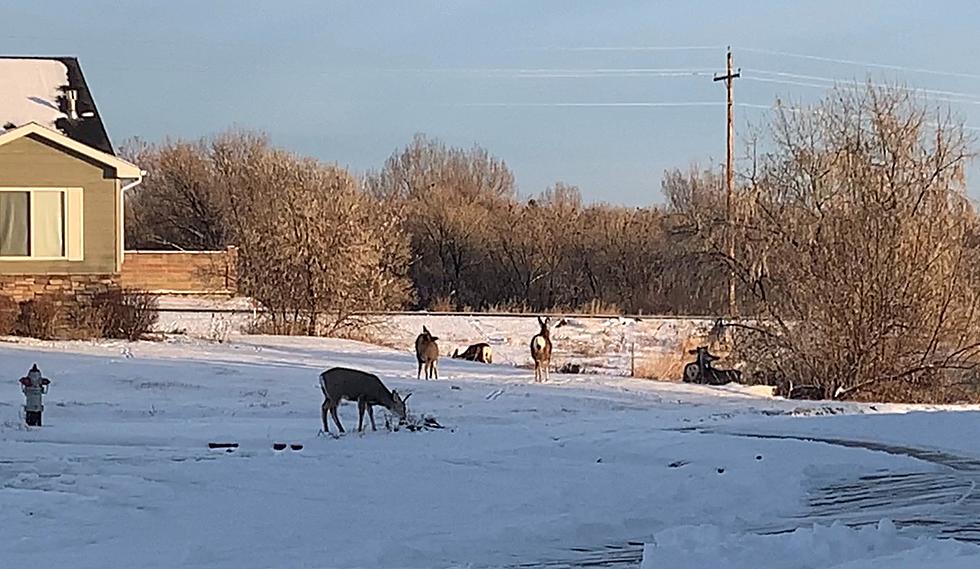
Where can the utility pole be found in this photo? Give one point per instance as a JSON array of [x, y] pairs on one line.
[[729, 77]]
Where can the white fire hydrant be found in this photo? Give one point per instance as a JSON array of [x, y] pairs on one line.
[[34, 386]]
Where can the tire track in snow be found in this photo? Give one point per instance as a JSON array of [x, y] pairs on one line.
[[942, 503]]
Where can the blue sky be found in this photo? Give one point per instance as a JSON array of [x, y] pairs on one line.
[[349, 82]]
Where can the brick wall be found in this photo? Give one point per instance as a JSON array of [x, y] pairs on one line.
[[182, 272]]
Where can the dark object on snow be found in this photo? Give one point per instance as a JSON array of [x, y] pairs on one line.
[[481, 352], [702, 371], [721, 471], [423, 423], [279, 446], [34, 387], [598, 460], [296, 446], [570, 367], [677, 464], [454, 387], [758, 457], [222, 445], [789, 391]]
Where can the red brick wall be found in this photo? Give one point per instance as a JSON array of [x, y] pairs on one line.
[[186, 272]]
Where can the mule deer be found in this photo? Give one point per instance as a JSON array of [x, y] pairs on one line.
[[541, 351], [427, 353], [481, 352], [340, 383], [702, 371]]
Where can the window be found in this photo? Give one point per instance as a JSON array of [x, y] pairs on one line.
[[40, 223]]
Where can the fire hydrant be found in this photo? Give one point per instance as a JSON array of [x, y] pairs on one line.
[[34, 386]]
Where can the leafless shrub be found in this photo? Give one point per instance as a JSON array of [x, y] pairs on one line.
[[41, 317], [126, 314], [9, 312], [858, 247]]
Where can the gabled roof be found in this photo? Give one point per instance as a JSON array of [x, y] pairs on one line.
[[33, 89], [123, 168]]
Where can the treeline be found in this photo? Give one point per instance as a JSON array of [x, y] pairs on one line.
[[451, 218]]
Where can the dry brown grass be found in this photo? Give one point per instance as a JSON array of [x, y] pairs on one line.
[[667, 366]]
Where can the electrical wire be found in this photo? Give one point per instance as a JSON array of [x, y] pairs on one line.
[[860, 63]]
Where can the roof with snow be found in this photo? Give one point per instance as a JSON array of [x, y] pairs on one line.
[[38, 89]]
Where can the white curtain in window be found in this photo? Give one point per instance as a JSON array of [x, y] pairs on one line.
[[49, 224], [14, 224]]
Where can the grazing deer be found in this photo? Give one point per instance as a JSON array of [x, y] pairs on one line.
[[702, 371], [427, 353], [340, 383], [481, 352], [541, 351]]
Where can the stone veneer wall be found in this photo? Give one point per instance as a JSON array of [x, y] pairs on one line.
[[82, 287], [69, 293]]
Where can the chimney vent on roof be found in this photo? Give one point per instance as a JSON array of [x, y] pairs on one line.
[[71, 95]]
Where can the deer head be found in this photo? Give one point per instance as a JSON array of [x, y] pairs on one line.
[[428, 335], [544, 326], [398, 406]]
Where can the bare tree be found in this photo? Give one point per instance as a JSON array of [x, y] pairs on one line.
[[178, 205], [857, 245]]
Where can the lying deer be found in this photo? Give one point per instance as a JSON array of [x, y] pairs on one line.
[[541, 351], [340, 383], [427, 353], [702, 371], [481, 352]]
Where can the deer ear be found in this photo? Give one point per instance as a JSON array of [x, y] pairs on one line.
[[692, 352], [406, 397]]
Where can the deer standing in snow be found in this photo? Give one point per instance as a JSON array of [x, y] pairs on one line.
[[340, 383], [481, 352], [427, 354], [541, 351]]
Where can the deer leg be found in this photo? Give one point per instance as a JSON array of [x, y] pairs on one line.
[[361, 405], [324, 410], [419, 375], [435, 370], [370, 410], [336, 419]]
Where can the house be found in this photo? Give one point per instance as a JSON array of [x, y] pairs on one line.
[[61, 184]]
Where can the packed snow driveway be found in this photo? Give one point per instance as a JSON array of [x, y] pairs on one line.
[[522, 474]]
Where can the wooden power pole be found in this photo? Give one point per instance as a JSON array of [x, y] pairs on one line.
[[729, 77]]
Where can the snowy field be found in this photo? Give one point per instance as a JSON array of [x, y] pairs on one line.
[[594, 468], [595, 344]]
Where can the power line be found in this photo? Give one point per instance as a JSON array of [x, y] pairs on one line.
[[861, 63], [854, 85], [627, 48], [834, 80], [599, 104]]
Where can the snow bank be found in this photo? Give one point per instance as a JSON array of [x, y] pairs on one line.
[[818, 547]]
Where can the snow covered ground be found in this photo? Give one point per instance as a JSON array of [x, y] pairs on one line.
[[596, 344], [586, 468]]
